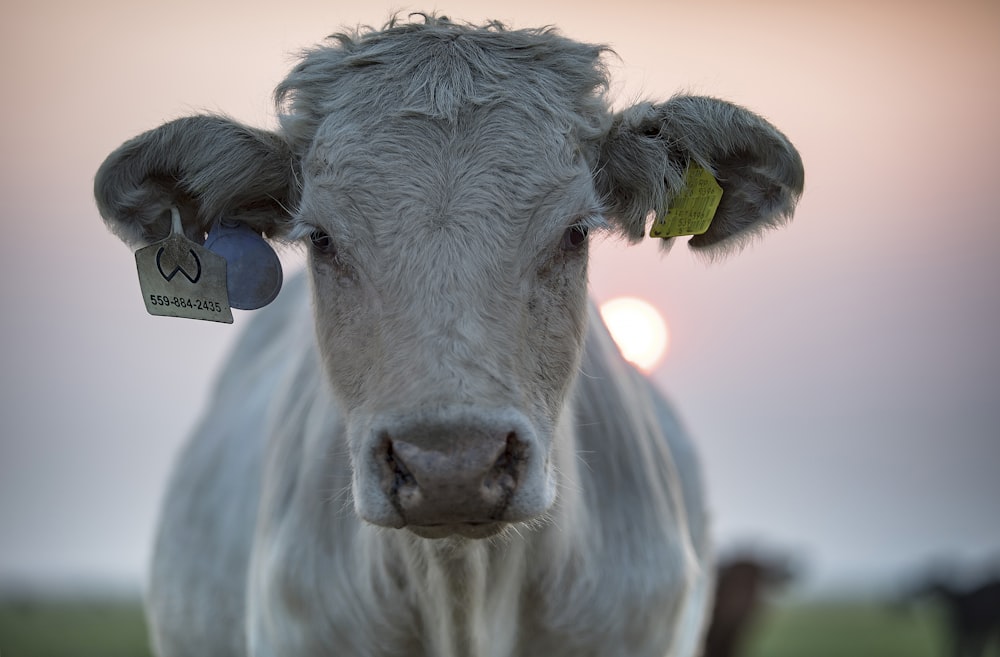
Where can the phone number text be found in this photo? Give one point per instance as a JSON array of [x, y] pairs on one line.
[[185, 302]]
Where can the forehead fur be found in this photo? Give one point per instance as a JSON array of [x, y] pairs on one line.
[[435, 68]]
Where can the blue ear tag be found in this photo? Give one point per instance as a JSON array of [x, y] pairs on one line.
[[253, 271]]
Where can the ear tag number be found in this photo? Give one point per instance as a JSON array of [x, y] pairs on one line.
[[180, 278], [253, 271], [692, 211]]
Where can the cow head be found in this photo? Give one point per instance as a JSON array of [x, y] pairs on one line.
[[444, 180]]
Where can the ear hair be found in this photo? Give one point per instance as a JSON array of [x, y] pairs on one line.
[[205, 165], [648, 148]]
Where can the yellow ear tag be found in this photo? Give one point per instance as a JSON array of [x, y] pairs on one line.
[[692, 211]]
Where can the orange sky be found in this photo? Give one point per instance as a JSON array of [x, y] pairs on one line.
[[841, 377]]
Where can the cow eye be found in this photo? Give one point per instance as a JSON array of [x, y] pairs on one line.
[[322, 242], [574, 237]]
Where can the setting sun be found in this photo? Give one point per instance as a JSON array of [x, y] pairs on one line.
[[638, 329]]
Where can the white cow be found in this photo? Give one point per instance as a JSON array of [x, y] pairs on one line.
[[429, 445]]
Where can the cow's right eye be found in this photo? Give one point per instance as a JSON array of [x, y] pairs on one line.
[[574, 237], [322, 242]]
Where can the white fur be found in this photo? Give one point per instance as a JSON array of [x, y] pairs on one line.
[[616, 568], [442, 174]]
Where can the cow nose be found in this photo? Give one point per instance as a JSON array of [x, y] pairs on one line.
[[441, 476]]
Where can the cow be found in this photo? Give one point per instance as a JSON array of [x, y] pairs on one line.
[[973, 616], [969, 607], [741, 583], [429, 444]]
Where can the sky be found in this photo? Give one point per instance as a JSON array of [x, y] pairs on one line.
[[841, 377]]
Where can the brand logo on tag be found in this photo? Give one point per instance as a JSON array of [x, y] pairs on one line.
[[199, 293], [178, 267]]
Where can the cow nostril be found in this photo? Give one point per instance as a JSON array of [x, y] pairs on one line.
[[502, 478], [401, 476], [499, 484], [397, 480]]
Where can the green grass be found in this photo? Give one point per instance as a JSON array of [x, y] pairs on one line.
[[850, 629], [72, 628], [36, 628]]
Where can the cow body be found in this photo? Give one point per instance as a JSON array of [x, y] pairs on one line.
[[258, 532], [432, 447]]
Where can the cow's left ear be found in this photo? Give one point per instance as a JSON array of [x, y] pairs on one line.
[[209, 167], [645, 154]]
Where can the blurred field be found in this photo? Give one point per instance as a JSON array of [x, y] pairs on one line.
[[850, 629], [33, 628]]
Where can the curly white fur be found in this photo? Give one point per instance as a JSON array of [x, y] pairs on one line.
[[445, 174]]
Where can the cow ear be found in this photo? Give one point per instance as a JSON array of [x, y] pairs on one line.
[[646, 152], [208, 167]]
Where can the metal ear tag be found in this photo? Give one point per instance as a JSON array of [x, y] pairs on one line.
[[253, 271], [180, 278]]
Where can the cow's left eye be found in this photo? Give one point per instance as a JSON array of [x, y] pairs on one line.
[[574, 237], [322, 242]]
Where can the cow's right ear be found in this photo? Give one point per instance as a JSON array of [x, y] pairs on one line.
[[207, 166], [646, 154]]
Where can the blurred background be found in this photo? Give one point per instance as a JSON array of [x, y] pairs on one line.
[[841, 377]]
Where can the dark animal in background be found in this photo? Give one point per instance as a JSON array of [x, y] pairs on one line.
[[741, 584], [972, 613]]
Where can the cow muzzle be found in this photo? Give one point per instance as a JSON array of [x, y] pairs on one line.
[[463, 473]]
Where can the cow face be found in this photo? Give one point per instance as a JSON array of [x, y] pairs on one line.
[[444, 180], [450, 307]]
